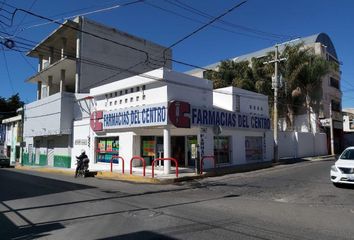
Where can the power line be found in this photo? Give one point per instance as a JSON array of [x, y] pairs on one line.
[[83, 14], [202, 22], [7, 70], [204, 26], [78, 29], [189, 8], [24, 17]]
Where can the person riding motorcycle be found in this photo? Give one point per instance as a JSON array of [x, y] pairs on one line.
[[80, 161]]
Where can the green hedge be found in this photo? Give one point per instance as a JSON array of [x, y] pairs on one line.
[[62, 161]]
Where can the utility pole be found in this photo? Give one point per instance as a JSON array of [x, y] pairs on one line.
[[275, 86], [331, 127]]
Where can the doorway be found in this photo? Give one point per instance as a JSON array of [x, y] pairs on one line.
[[178, 149]]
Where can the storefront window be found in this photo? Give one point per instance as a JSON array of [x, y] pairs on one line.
[[253, 147], [151, 148], [106, 148], [222, 149]]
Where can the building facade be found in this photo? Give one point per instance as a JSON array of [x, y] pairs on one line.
[[331, 94], [13, 138], [78, 56], [163, 113]]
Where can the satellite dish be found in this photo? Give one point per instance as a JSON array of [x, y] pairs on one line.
[[217, 130]]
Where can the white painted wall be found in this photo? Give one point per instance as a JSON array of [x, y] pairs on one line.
[[52, 115], [302, 144], [114, 58]]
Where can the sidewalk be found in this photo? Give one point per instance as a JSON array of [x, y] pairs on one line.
[[185, 174]]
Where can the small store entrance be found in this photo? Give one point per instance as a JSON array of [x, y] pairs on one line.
[[178, 149], [152, 147]]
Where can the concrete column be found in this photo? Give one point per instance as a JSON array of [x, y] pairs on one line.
[[50, 83], [39, 90], [63, 48], [62, 80], [40, 63], [77, 77], [167, 149]]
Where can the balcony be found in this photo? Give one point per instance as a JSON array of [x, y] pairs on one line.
[[59, 76], [52, 115]]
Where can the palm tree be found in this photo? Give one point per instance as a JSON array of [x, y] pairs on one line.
[[303, 72]]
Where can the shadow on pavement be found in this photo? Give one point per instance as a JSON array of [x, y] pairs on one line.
[[16, 185], [146, 235], [9, 231]]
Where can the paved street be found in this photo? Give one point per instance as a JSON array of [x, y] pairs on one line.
[[294, 201]]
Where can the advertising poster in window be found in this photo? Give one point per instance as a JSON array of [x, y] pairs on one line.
[[253, 148], [102, 145], [109, 147], [149, 148]]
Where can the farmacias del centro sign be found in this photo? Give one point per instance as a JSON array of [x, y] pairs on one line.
[[180, 114]]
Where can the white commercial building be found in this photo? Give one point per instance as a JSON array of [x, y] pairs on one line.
[[163, 113], [79, 55]]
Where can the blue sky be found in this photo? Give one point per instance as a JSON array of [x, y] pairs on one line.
[[163, 22]]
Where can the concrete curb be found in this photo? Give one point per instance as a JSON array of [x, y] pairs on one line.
[[141, 179], [46, 169]]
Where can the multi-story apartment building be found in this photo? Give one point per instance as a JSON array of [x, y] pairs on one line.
[[332, 95], [77, 56]]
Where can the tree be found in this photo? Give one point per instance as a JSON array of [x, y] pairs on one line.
[[302, 72], [9, 106]]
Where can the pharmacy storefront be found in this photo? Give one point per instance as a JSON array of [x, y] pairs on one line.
[[179, 130]]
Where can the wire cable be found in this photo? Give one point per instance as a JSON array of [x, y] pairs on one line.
[[7, 71]]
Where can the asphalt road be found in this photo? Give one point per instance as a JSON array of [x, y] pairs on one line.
[[295, 201]]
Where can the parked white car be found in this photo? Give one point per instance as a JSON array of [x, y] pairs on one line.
[[343, 169]]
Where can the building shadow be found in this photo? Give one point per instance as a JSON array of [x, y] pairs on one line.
[[28, 186], [9, 230], [146, 235]]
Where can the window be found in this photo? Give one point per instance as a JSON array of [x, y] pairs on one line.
[[121, 92], [253, 148], [106, 148], [111, 95], [132, 90], [126, 100], [115, 94], [131, 99], [222, 149], [120, 101], [143, 97], [110, 103], [144, 87], [137, 89], [126, 91], [336, 106], [115, 102], [137, 98], [334, 82]]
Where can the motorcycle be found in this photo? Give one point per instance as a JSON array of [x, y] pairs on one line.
[[82, 167]]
